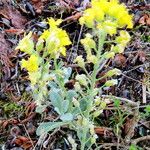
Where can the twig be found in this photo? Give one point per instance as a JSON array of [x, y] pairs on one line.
[[81, 29], [28, 135], [136, 67], [135, 141], [106, 145], [131, 78], [144, 93]]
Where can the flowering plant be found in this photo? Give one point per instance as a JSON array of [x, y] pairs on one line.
[[77, 107], [50, 45]]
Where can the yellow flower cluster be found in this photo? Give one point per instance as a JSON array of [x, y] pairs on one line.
[[124, 38], [121, 41], [31, 64], [26, 44], [56, 38], [108, 26], [106, 14], [88, 43]]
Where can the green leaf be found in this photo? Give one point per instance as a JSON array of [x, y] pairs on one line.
[[69, 97], [133, 147], [147, 109], [65, 104], [70, 94], [48, 126], [116, 103], [52, 85], [67, 117], [67, 73], [83, 104], [56, 100]]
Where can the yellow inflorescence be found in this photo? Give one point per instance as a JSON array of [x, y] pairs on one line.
[[103, 12], [124, 38], [26, 44], [31, 64], [56, 38]]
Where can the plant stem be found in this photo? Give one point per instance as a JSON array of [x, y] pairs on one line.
[[101, 40]]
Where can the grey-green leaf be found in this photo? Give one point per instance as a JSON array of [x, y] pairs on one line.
[[56, 99], [71, 94], [67, 117], [40, 109], [48, 126], [65, 104]]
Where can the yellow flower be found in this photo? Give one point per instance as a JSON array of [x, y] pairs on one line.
[[88, 18], [120, 13], [125, 19], [26, 44], [34, 77], [102, 9], [31, 64], [109, 27], [98, 14], [88, 43], [53, 23], [119, 48], [62, 50], [124, 38], [91, 15], [115, 9], [92, 59], [63, 36], [103, 5], [56, 39], [80, 61], [45, 34]]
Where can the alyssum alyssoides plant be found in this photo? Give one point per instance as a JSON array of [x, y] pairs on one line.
[[77, 107]]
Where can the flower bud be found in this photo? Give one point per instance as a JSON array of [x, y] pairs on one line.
[[82, 79], [92, 129], [119, 48], [75, 102], [77, 86], [109, 55], [103, 105], [80, 61], [92, 59], [97, 113], [124, 38], [111, 82], [97, 101], [79, 120], [84, 122], [40, 45], [112, 72]]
